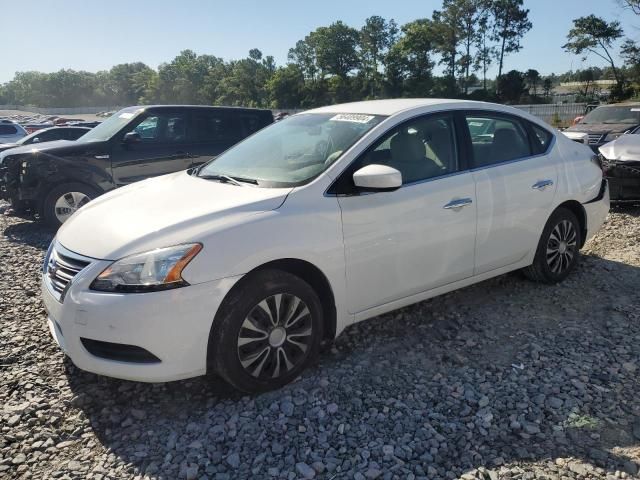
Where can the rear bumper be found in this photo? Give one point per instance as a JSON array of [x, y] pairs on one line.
[[597, 210]]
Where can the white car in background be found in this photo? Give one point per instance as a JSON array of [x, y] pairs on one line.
[[11, 132], [245, 265]]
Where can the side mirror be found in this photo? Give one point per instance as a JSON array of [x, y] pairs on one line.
[[131, 137], [36, 140], [377, 178]]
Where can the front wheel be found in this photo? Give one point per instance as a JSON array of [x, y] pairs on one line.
[[64, 200], [558, 251], [266, 332]]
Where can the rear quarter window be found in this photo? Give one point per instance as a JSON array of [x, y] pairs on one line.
[[252, 122], [542, 138], [8, 130]]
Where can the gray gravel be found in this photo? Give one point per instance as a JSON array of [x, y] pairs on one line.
[[505, 379]]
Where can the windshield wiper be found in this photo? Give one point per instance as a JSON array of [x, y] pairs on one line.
[[227, 179]]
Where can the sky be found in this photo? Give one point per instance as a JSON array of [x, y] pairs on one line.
[[94, 35]]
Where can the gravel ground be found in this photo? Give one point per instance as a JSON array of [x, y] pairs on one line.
[[505, 379]]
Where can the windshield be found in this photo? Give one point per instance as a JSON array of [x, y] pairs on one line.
[[110, 127], [626, 114], [292, 151]]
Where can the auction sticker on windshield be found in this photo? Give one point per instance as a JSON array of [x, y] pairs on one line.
[[352, 117]]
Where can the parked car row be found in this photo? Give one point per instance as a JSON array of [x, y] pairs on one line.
[[243, 265], [613, 132], [56, 178], [47, 135]]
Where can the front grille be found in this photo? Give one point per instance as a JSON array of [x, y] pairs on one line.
[[61, 269], [595, 138]]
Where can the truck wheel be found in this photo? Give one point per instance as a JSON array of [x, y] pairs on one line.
[[64, 200]]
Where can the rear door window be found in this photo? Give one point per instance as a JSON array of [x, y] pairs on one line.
[[8, 130], [497, 138], [251, 122], [213, 127]]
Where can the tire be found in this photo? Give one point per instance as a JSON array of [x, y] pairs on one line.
[[558, 251], [74, 192], [266, 355]]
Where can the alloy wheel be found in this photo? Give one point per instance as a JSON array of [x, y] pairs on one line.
[[561, 246], [275, 336], [68, 204]]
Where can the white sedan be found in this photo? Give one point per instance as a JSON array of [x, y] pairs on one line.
[[245, 265]]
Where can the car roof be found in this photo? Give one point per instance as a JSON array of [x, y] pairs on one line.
[[203, 107], [623, 104], [394, 106]]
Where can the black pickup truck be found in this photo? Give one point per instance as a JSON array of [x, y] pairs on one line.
[[55, 179]]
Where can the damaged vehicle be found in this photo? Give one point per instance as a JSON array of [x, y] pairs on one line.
[[621, 165], [55, 179], [607, 123]]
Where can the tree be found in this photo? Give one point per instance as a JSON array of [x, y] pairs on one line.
[[473, 13], [595, 35], [304, 55], [633, 5], [512, 86], [409, 64], [547, 86], [446, 28], [336, 49], [286, 87], [532, 78], [376, 36], [511, 23], [485, 52]]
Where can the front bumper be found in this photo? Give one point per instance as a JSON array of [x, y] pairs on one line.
[[624, 179], [172, 325]]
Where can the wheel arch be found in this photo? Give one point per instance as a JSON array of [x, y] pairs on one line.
[[47, 187], [578, 210], [308, 272]]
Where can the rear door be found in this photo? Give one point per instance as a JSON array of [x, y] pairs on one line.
[[516, 177], [212, 131], [162, 147]]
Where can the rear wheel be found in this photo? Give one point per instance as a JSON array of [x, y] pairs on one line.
[[266, 332], [64, 200], [558, 251]]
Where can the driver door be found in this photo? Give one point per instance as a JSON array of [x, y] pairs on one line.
[[162, 148], [420, 236]]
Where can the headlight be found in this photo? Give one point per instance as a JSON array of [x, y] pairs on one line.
[[152, 271], [612, 136]]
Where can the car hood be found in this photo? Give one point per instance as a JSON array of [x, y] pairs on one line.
[[37, 147], [7, 146], [624, 149], [160, 212], [601, 127]]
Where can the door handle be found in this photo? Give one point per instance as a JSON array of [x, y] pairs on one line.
[[458, 203], [542, 184]]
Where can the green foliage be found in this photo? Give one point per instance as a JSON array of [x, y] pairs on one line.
[[510, 24], [339, 63], [594, 35], [512, 86]]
